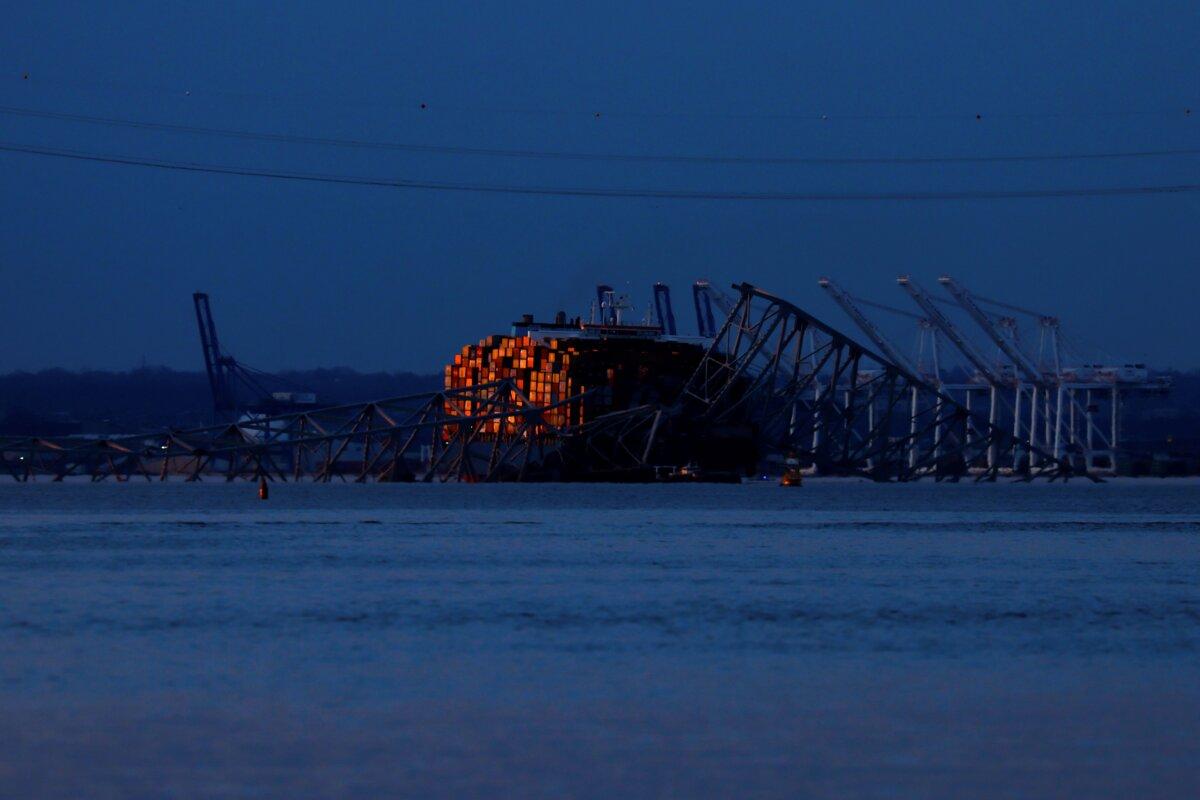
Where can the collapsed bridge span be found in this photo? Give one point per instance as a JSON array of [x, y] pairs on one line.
[[769, 389]]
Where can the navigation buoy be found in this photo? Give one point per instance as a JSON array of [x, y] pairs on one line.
[[263, 491]]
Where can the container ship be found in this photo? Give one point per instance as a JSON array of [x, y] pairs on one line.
[[580, 371]]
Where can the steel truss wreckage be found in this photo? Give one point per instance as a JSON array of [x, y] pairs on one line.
[[805, 394], [417, 437], [830, 404]]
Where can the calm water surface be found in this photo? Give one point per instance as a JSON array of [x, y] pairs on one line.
[[843, 639]]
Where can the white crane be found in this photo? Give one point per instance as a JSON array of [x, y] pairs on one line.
[[981, 317], [989, 373], [1019, 360], [934, 315], [1048, 325], [1049, 377], [866, 325], [873, 333], [927, 332]]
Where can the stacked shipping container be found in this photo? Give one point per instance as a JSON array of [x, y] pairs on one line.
[[623, 372], [539, 370]]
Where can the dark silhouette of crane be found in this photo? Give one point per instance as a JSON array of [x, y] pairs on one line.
[[705, 296], [662, 308], [237, 388]]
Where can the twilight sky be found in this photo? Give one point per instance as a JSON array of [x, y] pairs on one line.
[[98, 261]]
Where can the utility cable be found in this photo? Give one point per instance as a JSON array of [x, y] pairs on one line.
[[569, 191], [585, 156]]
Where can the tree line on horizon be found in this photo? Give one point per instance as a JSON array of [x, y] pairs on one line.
[[57, 402]]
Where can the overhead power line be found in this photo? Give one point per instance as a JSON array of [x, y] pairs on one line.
[[565, 191], [283, 138]]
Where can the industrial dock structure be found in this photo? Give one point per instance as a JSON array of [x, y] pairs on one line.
[[1072, 411], [763, 387]]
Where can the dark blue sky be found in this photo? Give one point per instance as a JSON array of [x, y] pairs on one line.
[[98, 261]]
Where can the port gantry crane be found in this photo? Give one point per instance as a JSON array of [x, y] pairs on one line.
[[237, 388], [865, 324], [1037, 380], [926, 333], [1050, 377], [872, 332], [984, 320], [760, 372], [705, 296], [995, 379], [219, 366], [663, 310]]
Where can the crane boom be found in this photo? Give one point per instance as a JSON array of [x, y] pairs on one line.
[[662, 307], [705, 324], [964, 299], [705, 296], [865, 324], [925, 302], [215, 363]]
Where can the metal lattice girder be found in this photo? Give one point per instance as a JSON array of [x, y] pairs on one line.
[[815, 394], [799, 387], [483, 432], [621, 440]]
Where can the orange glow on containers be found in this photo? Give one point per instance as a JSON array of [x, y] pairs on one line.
[[618, 373]]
